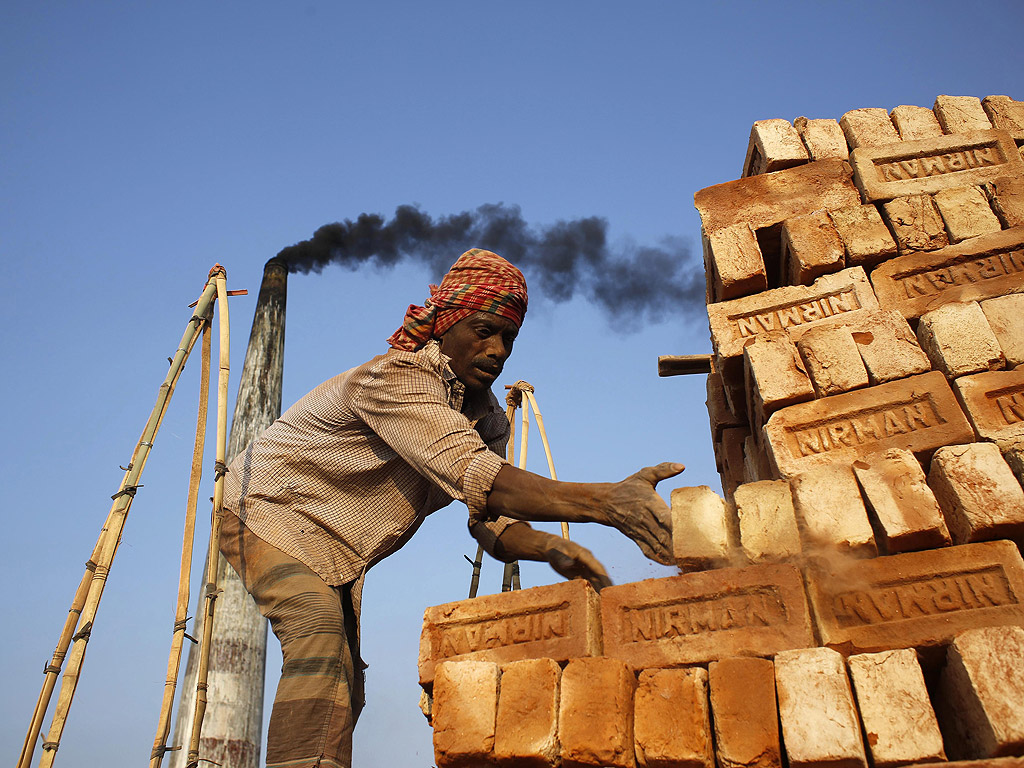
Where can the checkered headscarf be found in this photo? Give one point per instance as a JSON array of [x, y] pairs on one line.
[[479, 281]]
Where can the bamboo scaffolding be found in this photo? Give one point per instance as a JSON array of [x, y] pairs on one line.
[[217, 515], [187, 545], [85, 604], [547, 448]]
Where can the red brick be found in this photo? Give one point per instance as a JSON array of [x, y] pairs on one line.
[[559, 621], [915, 123], [982, 688], [527, 728], [966, 213], [918, 413], [464, 709], [831, 512], [595, 714], [930, 165], [1005, 113], [979, 495], [767, 522], [982, 268], [671, 723], [774, 145], [961, 114], [958, 339], [1006, 196], [792, 308], [916, 222], [811, 247], [775, 376], [701, 529], [868, 127], [866, 240], [1005, 315], [833, 360], [701, 617], [994, 402], [823, 138], [917, 599], [745, 714], [719, 414], [734, 262], [765, 200]]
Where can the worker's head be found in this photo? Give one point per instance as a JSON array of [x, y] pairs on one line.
[[481, 301]]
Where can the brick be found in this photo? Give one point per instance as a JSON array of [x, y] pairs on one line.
[[701, 535], [464, 713], [830, 512], [595, 714], [982, 268], [899, 722], [774, 374], [868, 127], [866, 239], [919, 413], [527, 726], [888, 347], [733, 465], [823, 138], [917, 223], [978, 494], [1014, 455], [774, 145], [767, 521], [700, 617], [832, 358], [756, 465], [903, 509], [957, 339], [995, 762], [1005, 113], [961, 114], [736, 265], [559, 621], [1006, 196], [816, 709], [672, 723], [744, 712], [811, 247], [765, 200], [792, 308], [917, 599], [994, 404], [915, 123], [1005, 315], [719, 414], [982, 688], [966, 213], [930, 165]]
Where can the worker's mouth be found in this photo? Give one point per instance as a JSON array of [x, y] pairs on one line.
[[489, 371]]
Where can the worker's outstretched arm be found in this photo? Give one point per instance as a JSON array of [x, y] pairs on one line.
[[632, 505], [521, 542]]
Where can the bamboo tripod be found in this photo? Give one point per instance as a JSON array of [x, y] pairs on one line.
[[82, 614], [514, 400]]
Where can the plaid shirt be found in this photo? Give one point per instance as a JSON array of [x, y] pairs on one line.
[[349, 472]]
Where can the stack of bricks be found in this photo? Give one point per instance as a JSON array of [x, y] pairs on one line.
[[856, 595]]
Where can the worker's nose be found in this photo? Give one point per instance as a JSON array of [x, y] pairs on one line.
[[498, 349]]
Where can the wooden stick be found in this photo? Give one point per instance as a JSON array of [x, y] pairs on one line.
[[680, 365], [532, 400], [185, 574], [111, 535], [192, 760]]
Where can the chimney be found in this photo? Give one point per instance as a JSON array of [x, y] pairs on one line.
[[233, 723]]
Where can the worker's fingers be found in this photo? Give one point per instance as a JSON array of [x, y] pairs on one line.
[[659, 472], [572, 561]]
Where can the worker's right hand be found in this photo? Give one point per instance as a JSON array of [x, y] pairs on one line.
[[572, 561], [636, 509]]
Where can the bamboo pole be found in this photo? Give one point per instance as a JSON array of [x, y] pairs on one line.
[[185, 574], [218, 514], [547, 448], [107, 544]]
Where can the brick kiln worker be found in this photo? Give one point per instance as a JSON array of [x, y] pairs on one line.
[[348, 473]]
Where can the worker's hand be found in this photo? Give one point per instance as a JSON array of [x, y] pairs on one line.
[[572, 561], [640, 513]]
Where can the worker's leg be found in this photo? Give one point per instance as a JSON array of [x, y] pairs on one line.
[[313, 716]]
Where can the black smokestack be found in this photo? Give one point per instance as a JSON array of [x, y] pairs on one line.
[[631, 283]]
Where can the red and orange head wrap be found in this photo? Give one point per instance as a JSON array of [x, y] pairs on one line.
[[479, 281]]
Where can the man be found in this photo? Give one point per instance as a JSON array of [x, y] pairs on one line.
[[348, 473]]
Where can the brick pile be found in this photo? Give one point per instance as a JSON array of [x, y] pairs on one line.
[[856, 594]]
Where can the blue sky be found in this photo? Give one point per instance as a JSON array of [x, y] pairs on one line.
[[144, 142]]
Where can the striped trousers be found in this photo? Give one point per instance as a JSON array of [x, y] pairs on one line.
[[321, 689]]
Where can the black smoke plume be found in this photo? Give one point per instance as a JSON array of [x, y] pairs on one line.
[[631, 283]]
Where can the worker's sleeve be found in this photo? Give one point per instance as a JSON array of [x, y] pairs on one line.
[[406, 405], [488, 532], [495, 431]]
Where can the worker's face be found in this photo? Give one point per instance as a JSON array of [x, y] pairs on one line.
[[478, 346]]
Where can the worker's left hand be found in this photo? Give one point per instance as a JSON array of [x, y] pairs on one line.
[[572, 561], [641, 514]]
